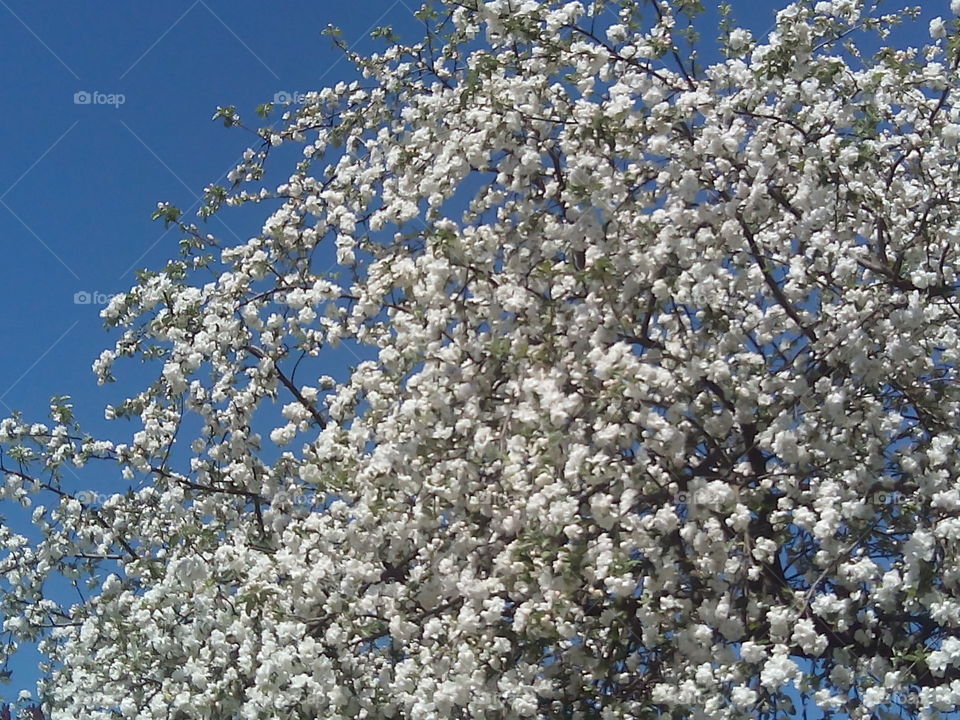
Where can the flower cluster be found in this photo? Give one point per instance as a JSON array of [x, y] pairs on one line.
[[639, 344]]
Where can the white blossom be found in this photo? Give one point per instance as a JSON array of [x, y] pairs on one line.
[[653, 409], [938, 28]]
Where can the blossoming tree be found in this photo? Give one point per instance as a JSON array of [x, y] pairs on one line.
[[657, 413]]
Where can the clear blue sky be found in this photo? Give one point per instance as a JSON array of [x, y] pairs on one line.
[[79, 181]]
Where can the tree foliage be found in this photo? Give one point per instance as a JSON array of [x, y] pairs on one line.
[[656, 414]]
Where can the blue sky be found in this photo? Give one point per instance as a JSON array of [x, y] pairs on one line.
[[79, 180]]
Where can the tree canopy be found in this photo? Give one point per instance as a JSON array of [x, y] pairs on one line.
[[656, 413]]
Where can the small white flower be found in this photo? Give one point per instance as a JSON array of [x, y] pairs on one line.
[[951, 132], [938, 28], [740, 39], [806, 636], [743, 697], [751, 652], [778, 670], [874, 696]]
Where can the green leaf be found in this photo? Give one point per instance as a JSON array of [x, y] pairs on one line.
[[168, 213], [385, 32], [228, 114]]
